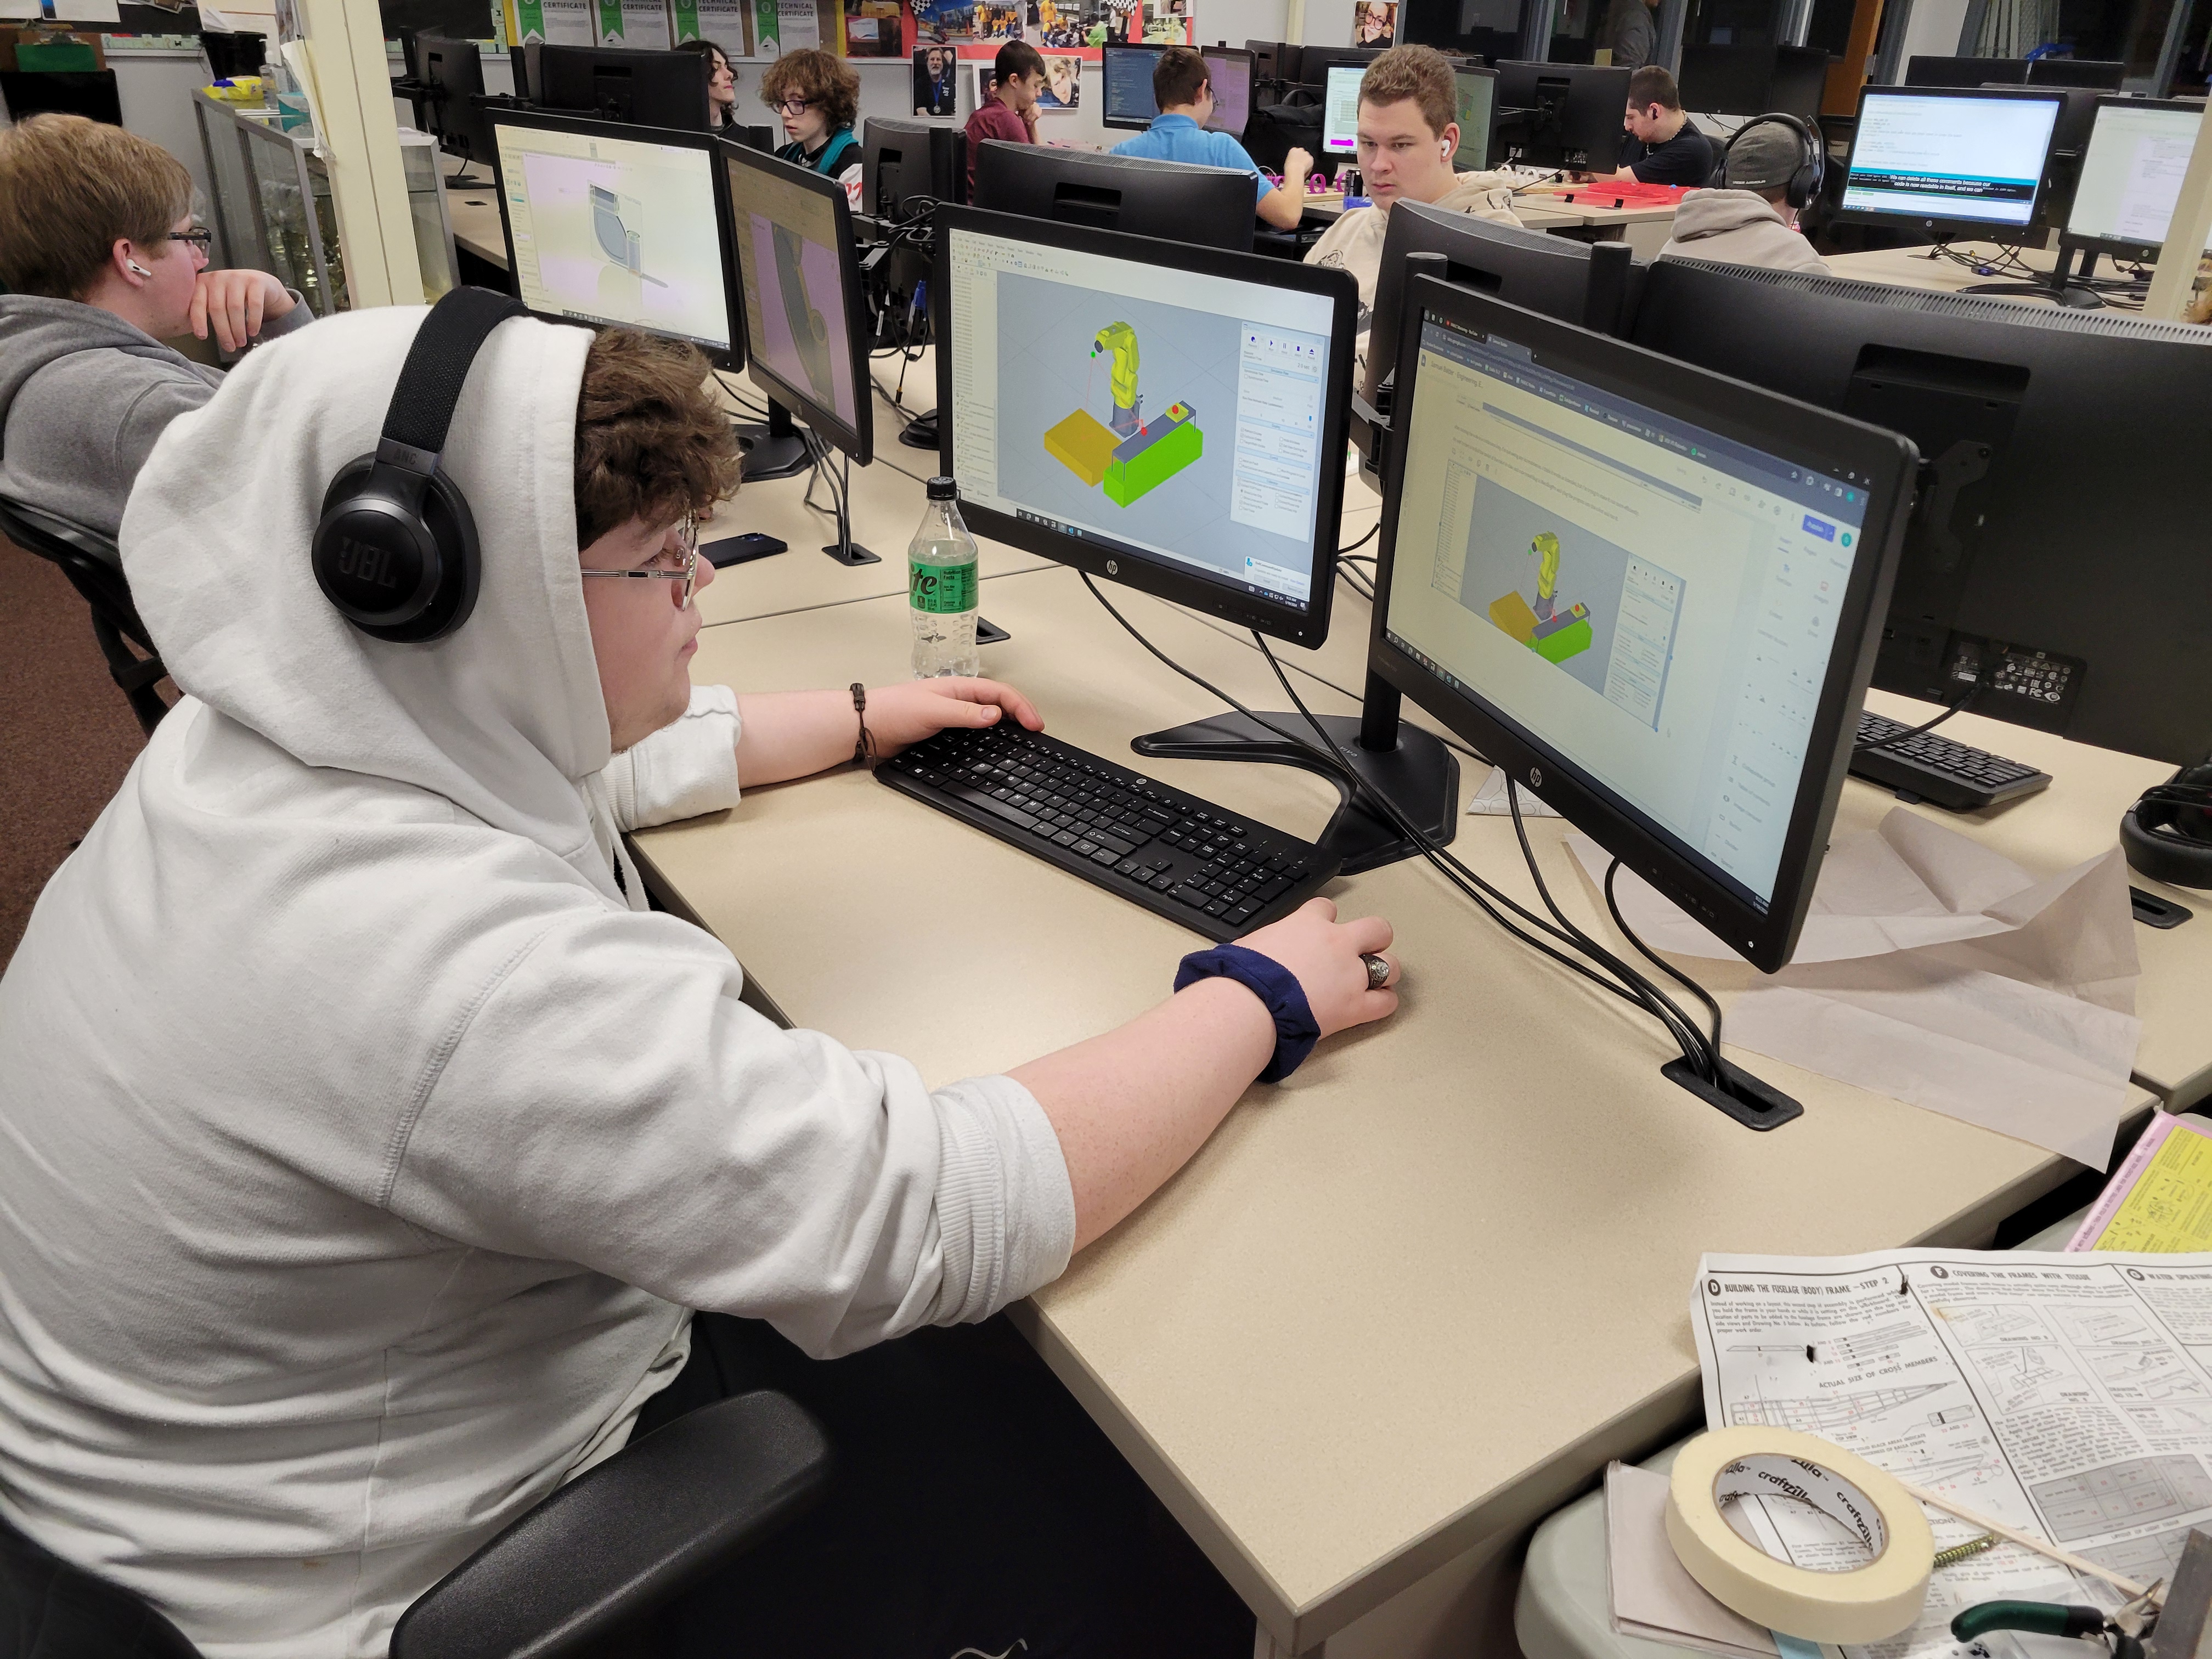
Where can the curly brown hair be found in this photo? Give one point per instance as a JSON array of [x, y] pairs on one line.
[[817, 77], [651, 442]]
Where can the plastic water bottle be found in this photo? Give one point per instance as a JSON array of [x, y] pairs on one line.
[[941, 590]]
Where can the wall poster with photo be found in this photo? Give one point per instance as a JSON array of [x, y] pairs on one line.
[[1373, 23], [1063, 84], [936, 81]]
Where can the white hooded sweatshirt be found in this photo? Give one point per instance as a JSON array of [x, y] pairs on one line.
[[1739, 227], [361, 1145]]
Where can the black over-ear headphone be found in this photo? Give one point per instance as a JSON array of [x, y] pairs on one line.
[[1804, 182], [396, 549], [2167, 834]]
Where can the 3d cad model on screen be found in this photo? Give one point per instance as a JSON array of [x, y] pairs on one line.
[[612, 217], [1553, 632], [1126, 454]]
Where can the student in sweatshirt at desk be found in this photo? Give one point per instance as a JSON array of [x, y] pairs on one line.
[[1662, 147], [1010, 114], [1184, 93], [1408, 131], [1749, 221], [818, 97]]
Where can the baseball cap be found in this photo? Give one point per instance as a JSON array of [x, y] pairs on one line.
[[1763, 157]]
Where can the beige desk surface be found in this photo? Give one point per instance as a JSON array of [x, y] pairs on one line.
[[474, 209], [1410, 1301], [1911, 267]]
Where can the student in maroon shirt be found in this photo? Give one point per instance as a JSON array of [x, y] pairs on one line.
[[1011, 110]]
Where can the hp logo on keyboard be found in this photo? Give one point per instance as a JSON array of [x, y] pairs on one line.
[[1536, 777], [1112, 568]]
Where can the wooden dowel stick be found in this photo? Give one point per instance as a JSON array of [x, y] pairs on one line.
[[1936, 1501]]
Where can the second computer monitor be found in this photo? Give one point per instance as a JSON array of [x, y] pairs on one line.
[[1125, 75], [908, 162], [1949, 162], [454, 69], [1339, 120], [806, 319], [1168, 416], [1228, 71], [615, 224], [1568, 114], [2100, 74], [1649, 595], [1205, 207], [652, 89], [2130, 176], [1474, 93], [1966, 71]]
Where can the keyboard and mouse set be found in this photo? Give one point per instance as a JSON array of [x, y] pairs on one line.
[[1222, 874]]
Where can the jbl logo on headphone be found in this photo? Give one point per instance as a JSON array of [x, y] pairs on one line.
[[365, 564]]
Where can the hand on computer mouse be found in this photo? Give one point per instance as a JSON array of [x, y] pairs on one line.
[[913, 709], [1325, 955]]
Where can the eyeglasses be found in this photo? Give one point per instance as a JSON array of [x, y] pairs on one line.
[[687, 542], [201, 238], [794, 106]]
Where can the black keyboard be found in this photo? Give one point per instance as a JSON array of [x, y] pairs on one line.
[[1933, 768], [1179, 857]]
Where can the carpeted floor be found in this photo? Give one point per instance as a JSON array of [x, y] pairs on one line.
[[66, 735]]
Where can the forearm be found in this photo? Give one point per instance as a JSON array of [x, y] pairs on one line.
[[1132, 1106], [794, 734], [1284, 205]]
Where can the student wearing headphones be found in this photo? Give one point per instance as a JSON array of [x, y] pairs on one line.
[[101, 262], [1407, 132], [377, 1159], [1770, 169]]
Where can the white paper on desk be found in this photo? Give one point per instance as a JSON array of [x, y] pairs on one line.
[[1654, 1597], [1937, 972]]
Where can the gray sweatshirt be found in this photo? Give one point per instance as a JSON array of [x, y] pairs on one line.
[[1739, 227], [83, 399]]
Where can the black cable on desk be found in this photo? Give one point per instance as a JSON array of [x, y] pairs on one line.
[[1713, 1042], [1363, 541], [1470, 885], [1981, 684]]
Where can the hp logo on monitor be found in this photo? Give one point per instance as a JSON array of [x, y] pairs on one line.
[[1536, 777], [1112, 568]]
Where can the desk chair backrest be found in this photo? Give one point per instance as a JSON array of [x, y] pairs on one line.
[[95, 568]]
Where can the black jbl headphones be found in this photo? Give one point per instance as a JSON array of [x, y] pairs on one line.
[[1804, 182], [2167, 834], [396, 549]]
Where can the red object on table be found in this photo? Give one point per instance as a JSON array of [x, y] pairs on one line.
[[1625, 192]]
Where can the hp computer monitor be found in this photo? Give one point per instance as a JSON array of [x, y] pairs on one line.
[[2131, 175], [1277, 60], [2097, 75], [652, 89], [1562, 114], [1339, 120], [1206, 207], [1949, 162], [1127, 73], [806, 319], [1228, 71], [908, 162], [1166, 416], [1474, 93], [454, 73], [2054, 567], [1649, 593], [1315, 63], [611, 224], [1966, 71]]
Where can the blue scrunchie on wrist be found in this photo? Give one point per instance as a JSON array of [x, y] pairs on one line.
[[1276, 986]]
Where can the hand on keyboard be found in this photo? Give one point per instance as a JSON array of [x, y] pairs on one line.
[[1324, 955], [913, 709]]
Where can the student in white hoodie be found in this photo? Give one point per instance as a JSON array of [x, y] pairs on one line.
[[1750, 221], [368, 1142], [1408, 132]]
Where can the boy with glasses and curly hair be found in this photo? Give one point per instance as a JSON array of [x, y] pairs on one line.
[[101, 262], [818, 98]]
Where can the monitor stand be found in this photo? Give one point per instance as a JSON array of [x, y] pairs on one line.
[[776, 450], [2065, 286], [845, 550], [1411, 766]]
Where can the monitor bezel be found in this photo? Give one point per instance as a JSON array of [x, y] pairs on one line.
[[1144, 571], [1480, 73], [1106, 118], [1352, 148], [2113, 248], [1775, 425], [733, 358], [858, 439], [1985, 230], [1251, 77]]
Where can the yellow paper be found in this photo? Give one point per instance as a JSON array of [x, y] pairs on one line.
[[2170, 1206]]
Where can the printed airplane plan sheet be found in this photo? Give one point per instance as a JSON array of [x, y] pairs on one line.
[[2066, 1396]]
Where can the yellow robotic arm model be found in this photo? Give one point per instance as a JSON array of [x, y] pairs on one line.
[[1120, 339]]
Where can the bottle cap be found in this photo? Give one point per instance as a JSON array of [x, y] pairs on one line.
[[943, 489]]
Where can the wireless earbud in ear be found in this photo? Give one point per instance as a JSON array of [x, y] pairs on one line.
[[137, 270]]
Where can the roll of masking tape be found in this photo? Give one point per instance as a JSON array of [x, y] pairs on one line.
[[1867, 1602]]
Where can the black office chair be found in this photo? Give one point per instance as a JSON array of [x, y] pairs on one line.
[[94, 568], [600, 1553]]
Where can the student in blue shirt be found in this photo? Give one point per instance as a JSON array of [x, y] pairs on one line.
[[1185, 96]]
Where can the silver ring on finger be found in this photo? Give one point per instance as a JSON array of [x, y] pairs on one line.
[[1378, 970]]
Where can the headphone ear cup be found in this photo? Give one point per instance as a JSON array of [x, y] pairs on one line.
[[439, 598]]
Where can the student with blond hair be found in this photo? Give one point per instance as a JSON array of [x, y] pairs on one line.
[[101, 263]]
